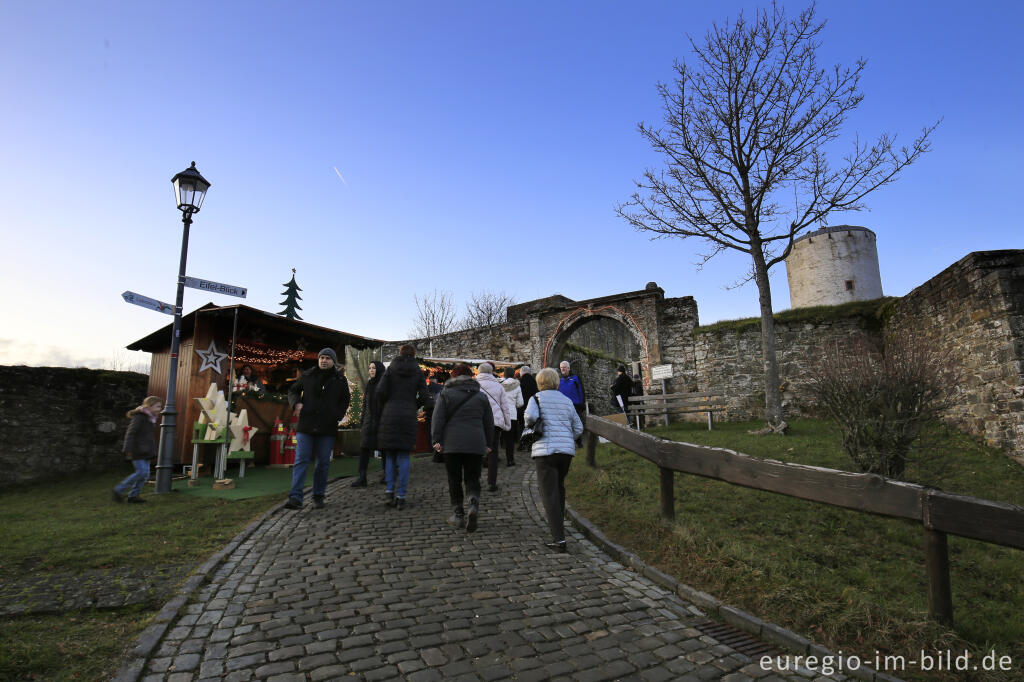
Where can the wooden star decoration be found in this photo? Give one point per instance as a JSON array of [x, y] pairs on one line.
[[211, 358], [242, 433]]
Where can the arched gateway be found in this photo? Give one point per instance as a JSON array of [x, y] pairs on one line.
[[658, 331]]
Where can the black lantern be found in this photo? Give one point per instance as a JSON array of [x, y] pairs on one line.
[[190, 189]]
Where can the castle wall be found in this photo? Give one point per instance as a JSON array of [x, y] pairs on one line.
[[57, 421], [975, 307]]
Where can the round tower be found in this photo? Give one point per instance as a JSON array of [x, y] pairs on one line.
[[833, 265]]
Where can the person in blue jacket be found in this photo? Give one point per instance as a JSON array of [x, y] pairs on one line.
[[571, 386], [553, 452]]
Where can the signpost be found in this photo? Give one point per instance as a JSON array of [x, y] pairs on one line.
[[662, 372], [215, 287], [147, 302]]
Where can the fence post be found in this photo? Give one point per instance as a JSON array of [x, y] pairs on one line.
[[591, 449], [668, 494], [940, 595]]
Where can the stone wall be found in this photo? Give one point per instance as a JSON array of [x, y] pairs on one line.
[[729, 362], [975, 307], [507, 341], [56, 421]]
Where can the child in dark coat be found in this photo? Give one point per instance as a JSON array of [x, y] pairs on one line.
[[139, 448]]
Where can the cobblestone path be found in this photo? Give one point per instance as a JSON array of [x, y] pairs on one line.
[[359, 591]]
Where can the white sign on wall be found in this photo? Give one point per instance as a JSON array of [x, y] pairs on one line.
[[661, 372]]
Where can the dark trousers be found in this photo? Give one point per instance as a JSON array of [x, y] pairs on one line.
[[551, 473], [509, 439], [463, 469], [364, 462], [492, 456]]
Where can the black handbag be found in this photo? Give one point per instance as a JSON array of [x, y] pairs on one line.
[[532, 434]]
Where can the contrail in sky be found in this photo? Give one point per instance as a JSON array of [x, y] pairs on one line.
[[339, 176]]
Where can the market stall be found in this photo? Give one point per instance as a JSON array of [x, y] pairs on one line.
[[252, 356]]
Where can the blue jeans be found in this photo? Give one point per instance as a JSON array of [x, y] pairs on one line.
[[132, 485], [307, 447], [396, 470]]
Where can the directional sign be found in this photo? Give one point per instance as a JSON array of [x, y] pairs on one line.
[[215, 287], [147, 302]]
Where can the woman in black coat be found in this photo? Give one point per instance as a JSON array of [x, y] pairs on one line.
[[461, 427], [368, 430], [399, 395], [139, 448]]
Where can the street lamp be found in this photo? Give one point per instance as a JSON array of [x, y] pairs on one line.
[[189, 191]]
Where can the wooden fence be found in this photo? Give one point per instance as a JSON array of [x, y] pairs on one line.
[[939, 513]]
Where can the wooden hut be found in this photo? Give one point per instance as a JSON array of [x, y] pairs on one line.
[[216, 342]]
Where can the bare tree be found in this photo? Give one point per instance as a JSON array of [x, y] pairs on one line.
[[486, 308], [747, 130], [435, 315]]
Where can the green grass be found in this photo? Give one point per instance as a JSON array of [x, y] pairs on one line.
[[872, 314], [846, 580], [72, 525]]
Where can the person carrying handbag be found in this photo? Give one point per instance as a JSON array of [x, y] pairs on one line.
[[460, 430], [552, 452]]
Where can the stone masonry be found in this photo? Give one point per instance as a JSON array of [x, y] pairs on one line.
[[56, 421]]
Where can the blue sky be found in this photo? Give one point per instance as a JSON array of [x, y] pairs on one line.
[[483, 146]]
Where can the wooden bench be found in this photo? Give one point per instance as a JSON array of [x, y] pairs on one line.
[[661, 404]]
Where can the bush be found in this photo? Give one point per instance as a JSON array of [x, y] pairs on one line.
[[882, 394]]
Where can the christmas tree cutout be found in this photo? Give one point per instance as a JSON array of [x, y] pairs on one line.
[[291, 299]]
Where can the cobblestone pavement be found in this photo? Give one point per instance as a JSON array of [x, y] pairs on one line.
[[360, 591]]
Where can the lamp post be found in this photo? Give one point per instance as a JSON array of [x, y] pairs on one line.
[[189, 191]]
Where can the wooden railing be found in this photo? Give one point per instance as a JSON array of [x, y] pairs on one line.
[[939, 513]]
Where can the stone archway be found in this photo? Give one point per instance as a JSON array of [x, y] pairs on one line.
[[559, 336]]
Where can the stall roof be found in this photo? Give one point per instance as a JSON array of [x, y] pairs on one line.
[[160, 339], [472, 362]]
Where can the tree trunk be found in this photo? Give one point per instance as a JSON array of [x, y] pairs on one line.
[[772, 399]]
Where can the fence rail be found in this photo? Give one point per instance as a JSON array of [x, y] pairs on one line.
[[940, 513]]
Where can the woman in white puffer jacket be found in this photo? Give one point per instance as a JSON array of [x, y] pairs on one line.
[[553, 452]]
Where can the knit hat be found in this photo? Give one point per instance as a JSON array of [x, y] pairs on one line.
[[525, 369], [329, 352], [485, 368]]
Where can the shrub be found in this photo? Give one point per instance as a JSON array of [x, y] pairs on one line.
[[882, 394]]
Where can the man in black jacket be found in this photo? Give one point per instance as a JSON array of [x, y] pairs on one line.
[[320, 398]]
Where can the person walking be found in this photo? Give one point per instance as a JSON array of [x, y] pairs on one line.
[[502, 409], [319, 397], [460, 429], [571, 386], [528, 385], [553, 452], [368, 429], [401, 391], [622, 389], [515, 395], [139, 448]]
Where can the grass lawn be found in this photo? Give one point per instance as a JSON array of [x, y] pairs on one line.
[[72, 525], [846, 580]]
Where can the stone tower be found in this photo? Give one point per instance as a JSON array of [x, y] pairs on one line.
[[833, 265]]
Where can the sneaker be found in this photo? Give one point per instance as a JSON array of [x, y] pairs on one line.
[[400, 503], [117, 496], [292, 504], [135, 500], [318, 503], [457, 520], [557, 546], [492, 488], [472, 516], [389, 499], [359, 483]]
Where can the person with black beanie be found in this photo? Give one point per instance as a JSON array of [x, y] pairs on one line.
[[319, 397]]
